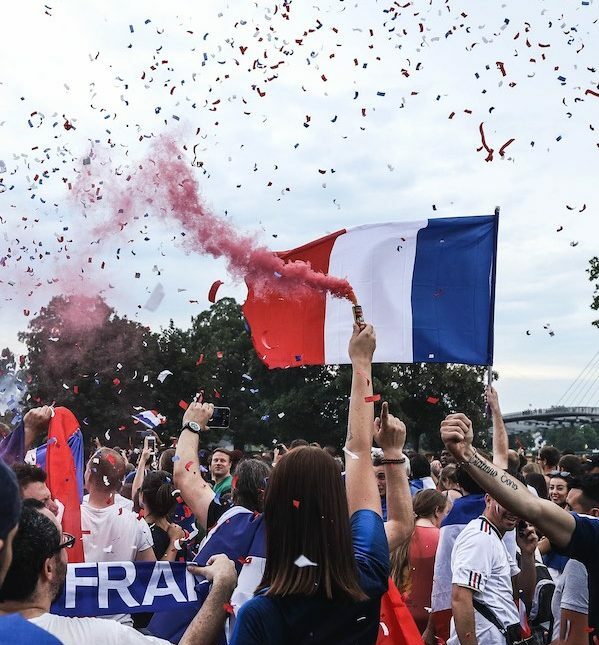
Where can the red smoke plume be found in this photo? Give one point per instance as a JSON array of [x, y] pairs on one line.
[[164, 184]]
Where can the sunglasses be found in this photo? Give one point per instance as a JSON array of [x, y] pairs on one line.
[[559, 473], [68, 542]]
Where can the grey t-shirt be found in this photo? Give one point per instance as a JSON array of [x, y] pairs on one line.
[[571, 592]]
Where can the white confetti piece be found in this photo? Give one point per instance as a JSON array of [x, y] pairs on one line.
[[105, 480], [107, 435], [385, 629], [155, 299], [350, 453], [281, 415], [163, 375], [303, 561], [107, 549]]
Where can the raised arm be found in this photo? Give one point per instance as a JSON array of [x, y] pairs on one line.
[[138, 480], [188, 479], [390, 435], [500, 440], [35, 424], [557, 524], [360, 483]]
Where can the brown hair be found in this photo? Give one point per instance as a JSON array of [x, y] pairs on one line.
[[106, 469], [425, 502], [306, 513], [157, 489], [28, 474]]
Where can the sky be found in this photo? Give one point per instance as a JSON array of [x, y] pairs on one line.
[[299, 120]]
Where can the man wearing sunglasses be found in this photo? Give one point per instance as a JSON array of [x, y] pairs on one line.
[[13, 628], [37, 575]]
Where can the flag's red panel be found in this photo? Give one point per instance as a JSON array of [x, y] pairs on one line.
[[289, 330]]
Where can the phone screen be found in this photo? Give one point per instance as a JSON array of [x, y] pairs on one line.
[[152, 443], [220, 418]]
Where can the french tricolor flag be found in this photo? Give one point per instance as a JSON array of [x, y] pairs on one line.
[[427, 286], [150, 418]]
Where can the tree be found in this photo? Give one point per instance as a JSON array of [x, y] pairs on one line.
[[85, 357], [593, 272], [572, 436]]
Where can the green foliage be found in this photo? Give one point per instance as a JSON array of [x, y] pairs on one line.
[[593, 272], [573, 437], [215, 357]]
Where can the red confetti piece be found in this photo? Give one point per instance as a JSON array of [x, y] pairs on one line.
[[183, 404], [433, 400], [504, 146], [501, 67], [213, 289], [484, 142], [120, 510], [85, 532], [187, 511], [296, 503], [219, 355], [75, 389], [217, 394], [188, 465], [200, 359], [373, 398], [234, 482], [116, 381], [228, 608], [593, 92]]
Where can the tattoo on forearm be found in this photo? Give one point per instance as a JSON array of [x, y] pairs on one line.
[[481, 465]]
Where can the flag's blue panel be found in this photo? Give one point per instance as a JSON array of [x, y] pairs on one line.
[[453, 291]]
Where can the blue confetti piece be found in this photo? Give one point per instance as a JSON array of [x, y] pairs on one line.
[[266, 417], [131, 28]]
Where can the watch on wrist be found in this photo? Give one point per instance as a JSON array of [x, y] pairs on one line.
[[192, 426]]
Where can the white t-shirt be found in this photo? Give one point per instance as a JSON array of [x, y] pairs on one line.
[[480, 561], [113, 534], [93, 631], [119, 500], [571, 592]]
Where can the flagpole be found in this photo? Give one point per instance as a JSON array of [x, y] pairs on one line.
[[492, 317]]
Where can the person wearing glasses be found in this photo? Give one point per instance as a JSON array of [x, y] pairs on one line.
[[37, 575]]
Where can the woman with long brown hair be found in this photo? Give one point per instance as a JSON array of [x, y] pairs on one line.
[[413, 563], [327, 555]]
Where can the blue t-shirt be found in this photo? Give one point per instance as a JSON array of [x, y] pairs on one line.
[[583, 547], [16, 629], [291, 620]]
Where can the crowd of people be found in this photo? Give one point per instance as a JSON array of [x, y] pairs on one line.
[[308, 544]]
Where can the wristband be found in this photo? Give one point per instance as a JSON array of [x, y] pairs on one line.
[[384, 461]]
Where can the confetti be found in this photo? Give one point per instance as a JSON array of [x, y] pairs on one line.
[[296, 503], [433, 400], [213, 289], [163, 375], [373, 398], [303, 561], [385, 629], [188, 465], [350, 453], [183, 404], [156, 297]]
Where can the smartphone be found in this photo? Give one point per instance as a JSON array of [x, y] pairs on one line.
[[152, 443], [220, 418], [522, 526]]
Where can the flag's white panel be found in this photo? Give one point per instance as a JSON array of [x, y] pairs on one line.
[[378, 261]]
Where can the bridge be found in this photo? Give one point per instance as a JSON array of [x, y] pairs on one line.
[[541, 419], [570, 410]]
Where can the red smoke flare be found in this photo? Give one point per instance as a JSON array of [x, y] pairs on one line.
[[164, 184]]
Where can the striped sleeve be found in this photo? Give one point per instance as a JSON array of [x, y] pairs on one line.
[[471, 560]]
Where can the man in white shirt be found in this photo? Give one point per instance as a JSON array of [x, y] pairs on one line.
[[110, 532], [37, 575], [482, 572]]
